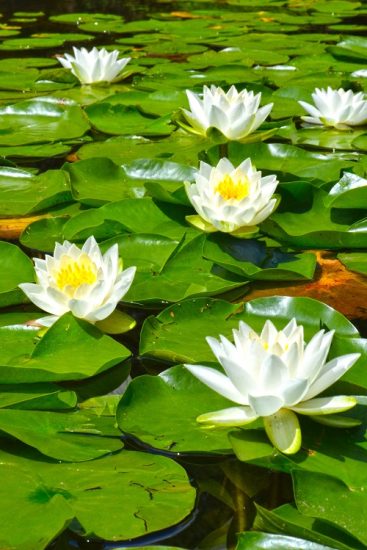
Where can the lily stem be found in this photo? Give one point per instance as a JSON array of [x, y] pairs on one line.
[[241, 509], [223, 150]]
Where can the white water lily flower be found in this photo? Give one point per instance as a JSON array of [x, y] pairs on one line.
[[229, 198], [336, 108], [274, 375], [94, 65], [235, 114], [82, 281]]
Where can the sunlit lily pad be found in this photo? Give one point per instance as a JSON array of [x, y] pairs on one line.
[[22, 192], [41, 120], [166, 335]]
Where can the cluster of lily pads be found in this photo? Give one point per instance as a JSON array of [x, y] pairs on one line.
[[159, 178]]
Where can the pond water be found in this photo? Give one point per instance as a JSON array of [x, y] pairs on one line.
[[106, 439]]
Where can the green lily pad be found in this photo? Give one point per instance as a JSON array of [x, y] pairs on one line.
[[282, 158], [22, 192], [49, 360], [129, 215], [35, 152], [16, 268], [70, 436], [342, 510], [179, 147], [325, 138], [166, 335], [99, 180], [43, 40], [349, 192], [41, 120], [36, 397], [43, 234], [287, 520], [351, 47], [81, 18], [153, 494], [319, 226], [254, 260], [176, 391], [156, 103], [121, 119], [355, 261], [168, 271]]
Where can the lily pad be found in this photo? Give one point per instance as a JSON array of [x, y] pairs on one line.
[[287, 520], [349, 192], [22, 192], [16, 268], [169, 271], [289, 159], [153, 494], [49, 360], [99, 180], [121, 119], [176, 391], [355, 261], [254, 260], [319, 226], [166, 335], [70, 436], [179, 147], [41, 120]]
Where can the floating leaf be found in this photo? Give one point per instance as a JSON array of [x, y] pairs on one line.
[[41, 120], [118, 497], [91, 350]]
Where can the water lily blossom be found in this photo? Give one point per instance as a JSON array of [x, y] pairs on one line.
[[274, 375], [235, 114], [80, 280], [231, 199], [94, 65], [340, 109]]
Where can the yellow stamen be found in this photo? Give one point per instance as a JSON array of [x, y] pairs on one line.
[[73, 273], [230, 189]]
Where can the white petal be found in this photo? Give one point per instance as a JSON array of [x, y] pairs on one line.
[[265, 405], [284, 431], [218, 382], [233, 416], [325, 405], [333, 370]]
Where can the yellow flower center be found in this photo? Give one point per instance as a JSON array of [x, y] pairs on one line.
[[74, 273], [229, 189]]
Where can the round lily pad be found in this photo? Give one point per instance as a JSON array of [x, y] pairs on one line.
[[117, 498]]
